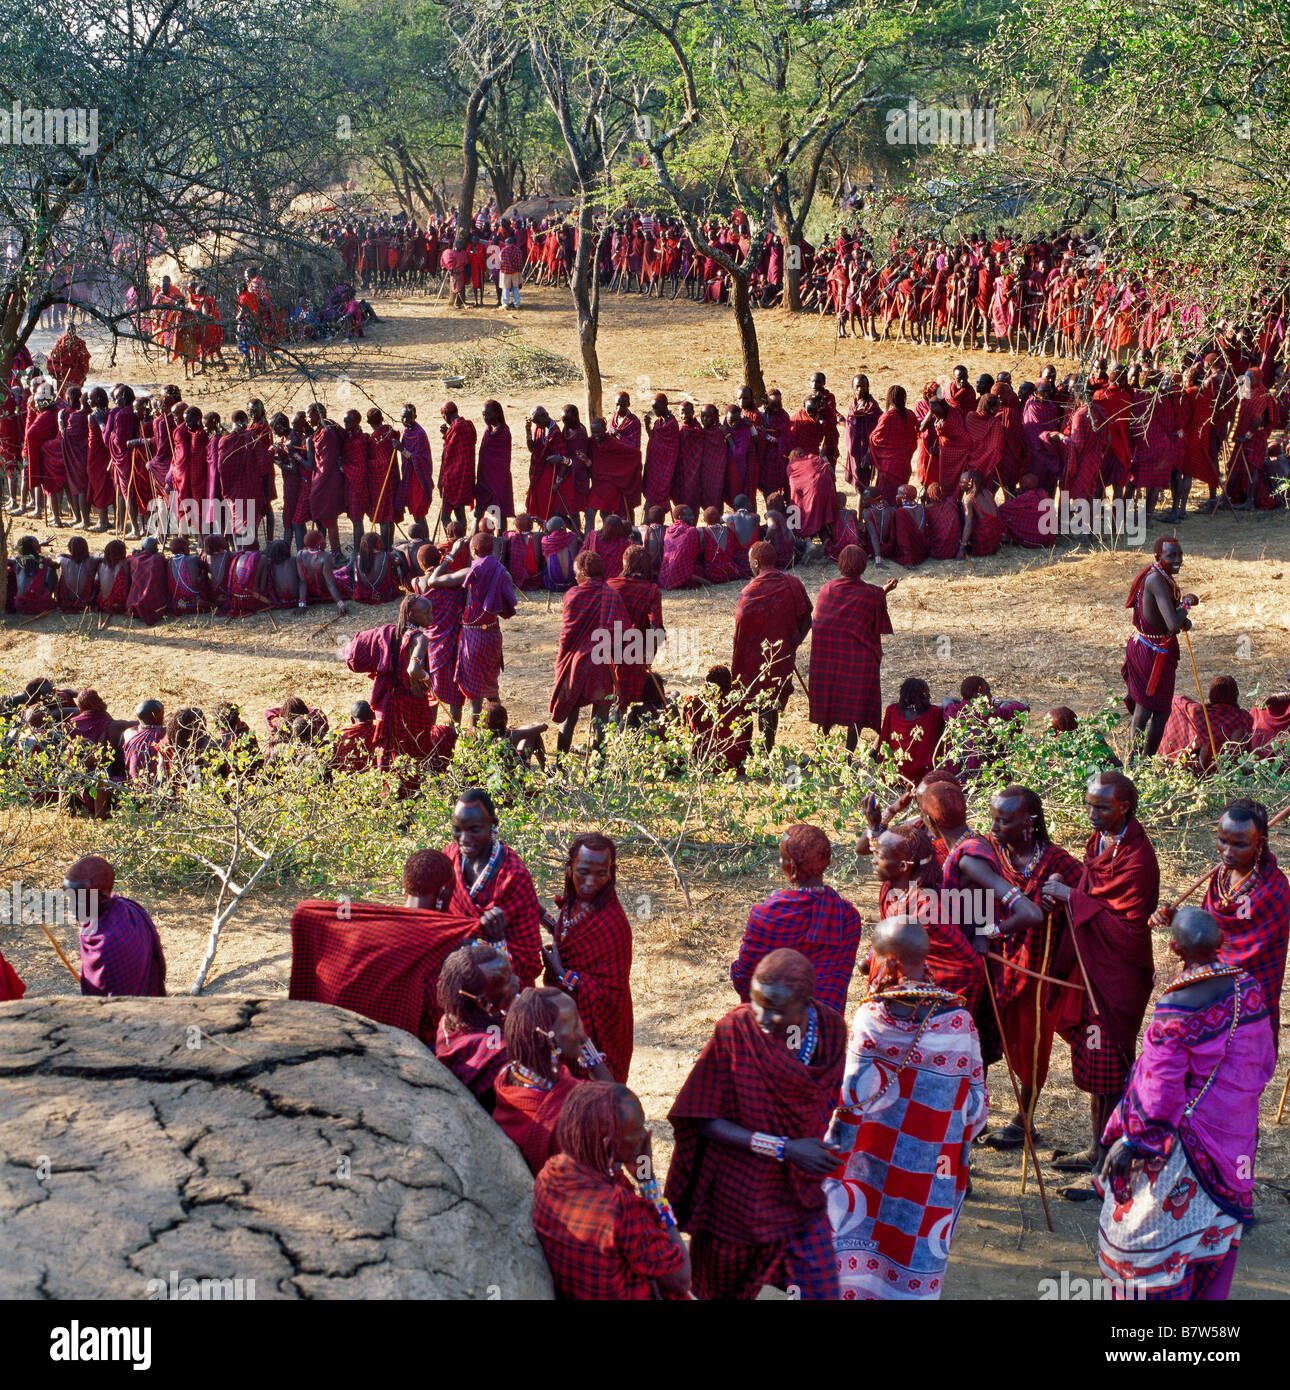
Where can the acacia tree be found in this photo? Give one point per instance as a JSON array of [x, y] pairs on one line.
[[179, 120], [758, 90], [577, 59], [1165, 129]]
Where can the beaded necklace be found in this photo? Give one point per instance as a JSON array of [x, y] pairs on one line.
[[1209, 971], [807, 1049], [531, 1079], [1103, 837], [1227, 892]]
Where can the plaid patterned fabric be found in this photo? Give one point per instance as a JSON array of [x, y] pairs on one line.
[[611, 552], [912, 741], [511, 889], [719, 564], [952, 962], [601, 1240], [405, 720], [381, 962], [1026, 948], [713, 453], [590, 608], [529, 1116], [476, 1059], [479, 660], [803, 1264], [598, 948], [681, 546], [139, 746], [457, 464], [846, 653], [987, 531], [767, 618], [1153, 428], [1020, 516], [1256, 926], [1186, 738], [743, 1076], [355, 748], [661, 453], [121, 952], [1085, 450], [944, 529], [382, 474], [442, 635], [510, 259], [644, 605], [354, 464], [819, 923]]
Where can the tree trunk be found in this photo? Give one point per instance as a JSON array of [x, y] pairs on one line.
[[586, 301], [471, 123], [791, 301], [503, 189], [748, 345]]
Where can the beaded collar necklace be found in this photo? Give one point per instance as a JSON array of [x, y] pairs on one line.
[[807, 1049], [531, 1079]]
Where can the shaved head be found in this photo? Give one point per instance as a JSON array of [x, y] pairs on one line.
[[1196, 936], [1120, 787], [788, 970]]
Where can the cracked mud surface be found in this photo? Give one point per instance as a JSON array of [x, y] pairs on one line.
[[295, 1144]]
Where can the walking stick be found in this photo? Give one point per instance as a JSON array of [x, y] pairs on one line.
[[1209, 729], [1034, 1066], [1007, 1062], [71, 969], [1285, 1090]]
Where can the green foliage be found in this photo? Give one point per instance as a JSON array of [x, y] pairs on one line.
[[509, 361]]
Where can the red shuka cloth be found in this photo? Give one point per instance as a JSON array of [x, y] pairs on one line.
[[380, 961], [529, 1116], [599, 949], [615, 476], [590, 608], [754, 1081], [770, 610], [813, 491], [148, 596], [846, 653], [915, 755]]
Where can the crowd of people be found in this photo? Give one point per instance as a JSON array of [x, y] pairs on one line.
[[825, 1164]]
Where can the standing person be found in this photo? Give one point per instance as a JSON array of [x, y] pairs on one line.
[[493, 486], [120, 947], [602, 1238], [590, 956], [807, 916], [662, 451], [489, 596], [1109, 945], [1178, 1175], [772, 619], [847, 628], [327, 477], [356, 467], [593, 616], [863, 413], [476, 989], [644, 603], [913, 1098], [911, 729], [1249, 898], [456, 464], [492, 882], [746, 1174], [1160, 613], [416, 484], [395, 656]]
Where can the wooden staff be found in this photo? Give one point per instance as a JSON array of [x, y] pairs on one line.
[[322, 627], [268, 613], [1032, 974], [1285, 1090], [1007, 1061], [1034, 1065], [62, 955], [1209, 729], [800, 681], [389, 468]]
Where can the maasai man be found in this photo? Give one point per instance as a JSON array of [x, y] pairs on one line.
[[590, 956], [559, 550], [682, 546], [615, 466], [847, 629], [77, 572], [1108, 948], [355, 747], [113, 578], [911, 729], [808, 916], [772, 618], [974, 724], [185, 581], [494, 491], [1160, 613], [456, 463], [379, 960], [476, 990], [1188, 729], [493, 883], [644, 604], [395, 655], [120, 947], [1249, 898], [745, 1178], [523, 550], [813, 492], [1178, 1177], [490, 596], [602, 1238], [35, 578], [416, 483], [147, 596], [662, 450], [315, 573], [594, 621], [139, 746], [1029, 859], [913, 1098], [863, 413], [544, 1038]]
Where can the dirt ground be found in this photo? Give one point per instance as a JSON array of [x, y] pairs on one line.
[[1048, 630]]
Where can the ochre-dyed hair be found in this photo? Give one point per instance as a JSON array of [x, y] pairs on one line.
[[761, 556], [1158, 549], [530, 1030], [428, 557], [972, 686], [852, 562], [1223, 690], [809, 849], [426, 872], [93, 871], [463, 975], [944, 802], [788, 967], [635, 563], [590, 564], [590, 1126], [89, 702]]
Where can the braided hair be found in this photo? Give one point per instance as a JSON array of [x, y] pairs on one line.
[[530, 1030], [461, 984]]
